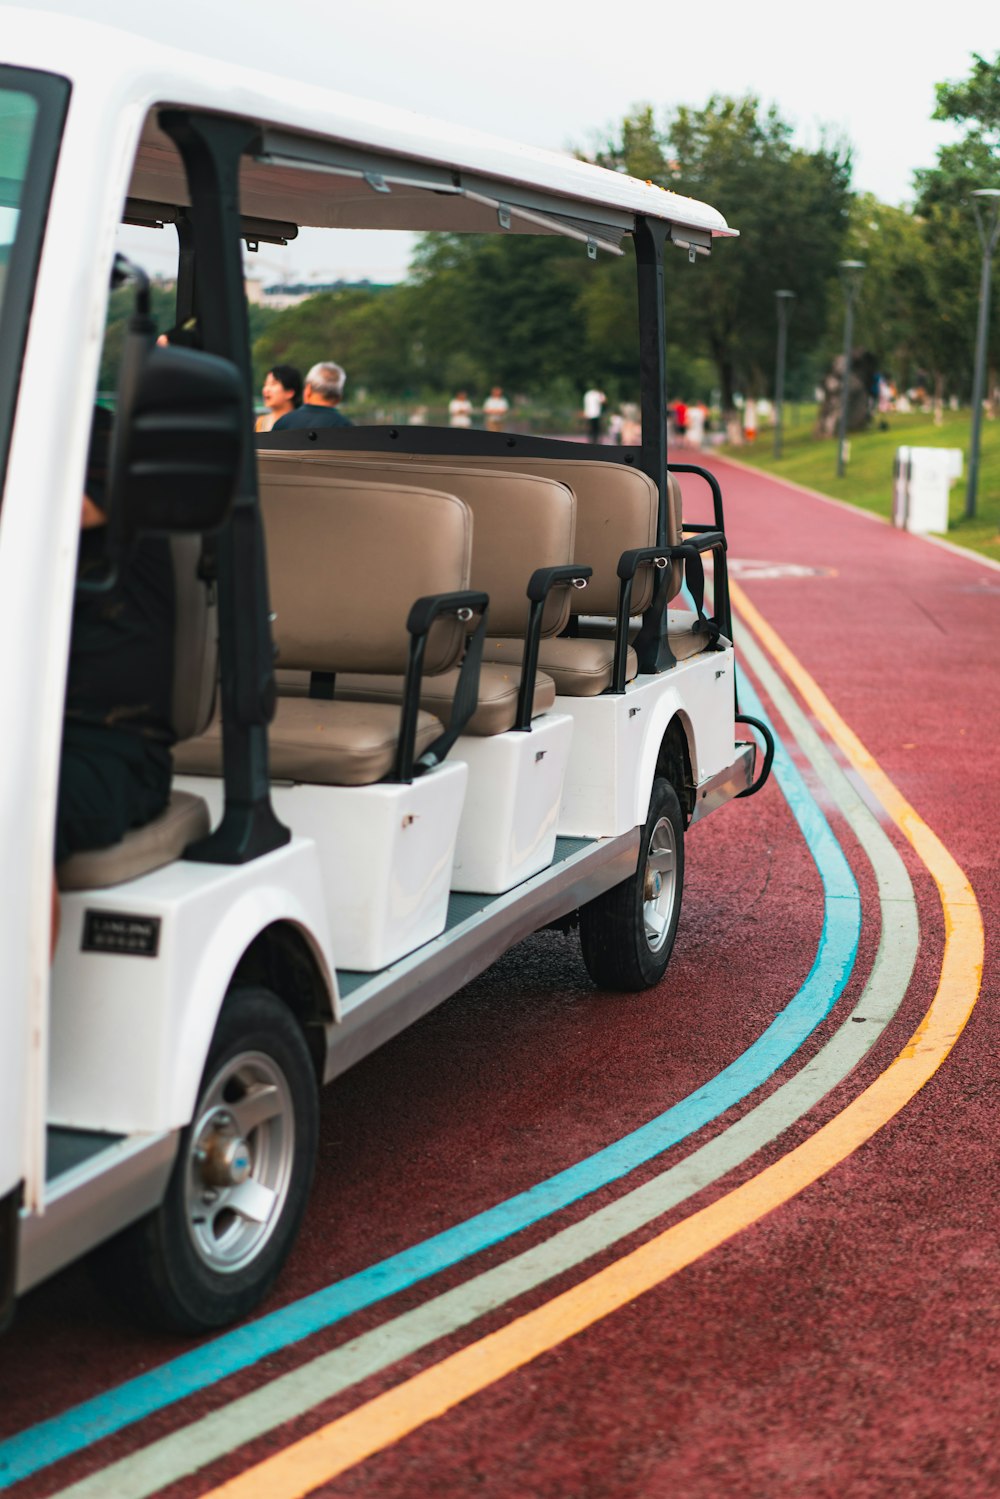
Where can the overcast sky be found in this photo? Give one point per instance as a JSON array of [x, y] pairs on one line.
[[558, 75]]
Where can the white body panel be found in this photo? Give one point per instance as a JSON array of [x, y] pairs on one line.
[[616, 740], [130, 1034], [385, 856], [508, 827], [131, 67]]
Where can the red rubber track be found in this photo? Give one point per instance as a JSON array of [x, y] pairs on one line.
[[845, 1345]]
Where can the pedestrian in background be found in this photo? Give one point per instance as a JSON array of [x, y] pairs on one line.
[[495, 408], [282, 392], [460, 410], [321, 395], [696, 425], [593, 405], [631, 425]]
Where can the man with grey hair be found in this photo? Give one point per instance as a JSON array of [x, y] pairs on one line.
[[324, 386]]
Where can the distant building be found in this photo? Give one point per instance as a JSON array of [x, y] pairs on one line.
[[291, 293]]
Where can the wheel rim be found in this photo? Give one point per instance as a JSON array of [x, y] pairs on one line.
[[240, 1161], [660, 884]]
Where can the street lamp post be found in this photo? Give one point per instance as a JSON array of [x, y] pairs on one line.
[[986, 204], [783, 299], [851, 272]]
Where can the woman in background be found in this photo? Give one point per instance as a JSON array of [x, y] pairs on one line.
[[282, 392]]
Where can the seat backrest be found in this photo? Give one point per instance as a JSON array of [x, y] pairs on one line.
[[616, 510], [520, 522], [196, 641], [347, 560]]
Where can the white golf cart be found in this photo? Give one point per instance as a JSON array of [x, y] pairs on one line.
[[434, 689]]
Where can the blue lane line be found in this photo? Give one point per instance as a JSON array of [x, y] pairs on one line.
[[75, 1429]]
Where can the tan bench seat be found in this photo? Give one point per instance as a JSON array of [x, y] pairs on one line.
[[520, 522], [577, 668], [499, 684], [616, 511], [684, 639], [322, 743], [346, 560], [184, 820]]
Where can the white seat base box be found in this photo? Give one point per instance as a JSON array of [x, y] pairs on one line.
[[508, 827]]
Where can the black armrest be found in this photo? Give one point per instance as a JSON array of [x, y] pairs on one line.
[[689, 552], [711, 481], [704, 539], [629, 564], [422, 615], [723, 608], [540, 585]]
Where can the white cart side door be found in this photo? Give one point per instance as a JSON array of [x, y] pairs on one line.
[[33, 108]]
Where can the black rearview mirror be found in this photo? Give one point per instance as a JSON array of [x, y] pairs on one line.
[[178, 433], [178, 444]]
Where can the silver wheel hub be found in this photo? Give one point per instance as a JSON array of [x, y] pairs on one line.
[[659, 890], [240, 1161]]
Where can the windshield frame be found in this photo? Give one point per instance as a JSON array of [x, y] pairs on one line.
[[51, 91]]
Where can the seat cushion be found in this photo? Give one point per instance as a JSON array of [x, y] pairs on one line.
[[319, 742], [498, 689], [684, 639], [579, 668], [684, 636], [184, 820]]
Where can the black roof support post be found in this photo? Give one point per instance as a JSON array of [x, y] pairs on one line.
[[650, 237], [186, 300], [211, 148]]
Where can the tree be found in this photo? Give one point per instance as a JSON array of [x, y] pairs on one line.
[[500, 308], [952, 252], [120, 307], [367, 330], [790, 206], [891, 315]]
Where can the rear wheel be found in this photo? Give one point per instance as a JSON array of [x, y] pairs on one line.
[[239, 1186], [627, 934]]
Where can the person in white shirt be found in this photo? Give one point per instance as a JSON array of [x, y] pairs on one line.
[[495, 408], [696, 425], [593, 405], [460, 410]]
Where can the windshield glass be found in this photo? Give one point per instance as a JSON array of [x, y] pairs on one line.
[[18, 115], [32, 107]]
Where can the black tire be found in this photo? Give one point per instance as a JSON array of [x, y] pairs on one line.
[[196, 1263], [627, 934]]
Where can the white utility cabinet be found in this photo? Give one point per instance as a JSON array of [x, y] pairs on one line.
[[922, 478]]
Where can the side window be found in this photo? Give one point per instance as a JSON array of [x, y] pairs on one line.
[[32, 108]]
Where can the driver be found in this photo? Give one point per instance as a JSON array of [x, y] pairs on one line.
[[116, 764]]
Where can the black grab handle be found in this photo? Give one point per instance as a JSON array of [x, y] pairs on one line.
[[762, 728]]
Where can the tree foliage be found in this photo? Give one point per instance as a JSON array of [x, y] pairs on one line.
[[534, 314], [367, 330], [789, 204], [945, 307]]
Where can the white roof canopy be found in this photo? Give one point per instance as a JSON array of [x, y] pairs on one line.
[[330, 160]]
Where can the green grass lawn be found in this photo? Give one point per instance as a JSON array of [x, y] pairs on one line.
[[867, 483]]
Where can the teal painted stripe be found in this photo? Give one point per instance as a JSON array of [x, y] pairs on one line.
[[72, 1431]]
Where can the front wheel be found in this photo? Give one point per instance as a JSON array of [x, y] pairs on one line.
[[212, 1249], [627, 934]]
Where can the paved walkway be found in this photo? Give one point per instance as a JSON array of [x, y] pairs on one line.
[[778, 1275]]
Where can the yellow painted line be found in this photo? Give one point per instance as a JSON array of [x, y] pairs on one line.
[[339, 1445]]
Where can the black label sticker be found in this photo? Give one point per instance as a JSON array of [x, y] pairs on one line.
[[120, 931]]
